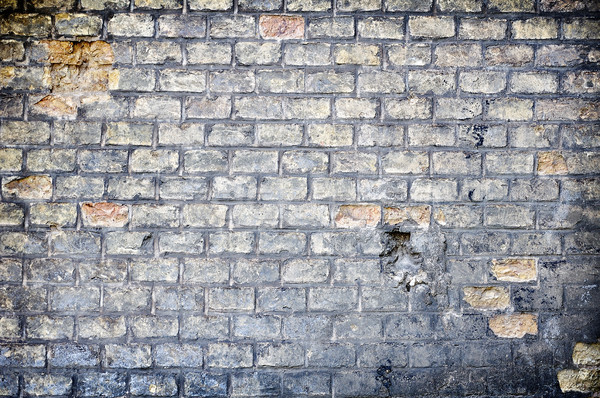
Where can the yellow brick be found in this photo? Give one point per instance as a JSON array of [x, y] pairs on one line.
[[514, 269], [487, 297], [514, 325]]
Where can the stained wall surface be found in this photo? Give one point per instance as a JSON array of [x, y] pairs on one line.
[[299, 198]]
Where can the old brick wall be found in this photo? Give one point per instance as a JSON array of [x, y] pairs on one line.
[[299, 198]]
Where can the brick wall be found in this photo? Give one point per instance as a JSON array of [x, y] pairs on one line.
[[299, 198]]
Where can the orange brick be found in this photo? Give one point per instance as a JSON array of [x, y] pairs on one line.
[[32, 187], [514, 269], [104, 214], [281, 27], [514, 326], [356, 216]]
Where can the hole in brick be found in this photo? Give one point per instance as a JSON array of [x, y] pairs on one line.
[[401, 261]]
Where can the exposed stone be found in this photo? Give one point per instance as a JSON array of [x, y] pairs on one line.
[[487, 297], [514, 325], [581, 380], [515, 269], [407, 216], [104, 214], [32, 187], [281, 27], [358, 216], [586, 354], [552, 163]]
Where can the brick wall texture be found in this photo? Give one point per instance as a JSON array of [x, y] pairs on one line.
[[294, 198]]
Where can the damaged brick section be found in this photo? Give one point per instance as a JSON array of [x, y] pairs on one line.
[[77, 70], [416, 258]]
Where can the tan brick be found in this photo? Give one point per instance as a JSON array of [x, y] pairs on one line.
[[104, 214], [431, 27], [487, 297], [581, 380], [552, 163], [586, 354], [281, 27], [407, 215], [514, 325], [511, 5], [31, 187], [358, 216], [581, 29], [514, 269], [535, 28]]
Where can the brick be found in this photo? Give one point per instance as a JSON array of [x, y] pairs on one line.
[[104, 327], [309, 54], [332, 299], [456, 55], [182, 80], [567, 109], [354, 162], [456, 108], [509, 216], [239, 187], [436, 190], [482, 29], [405, 162], [510, 109], [150, 326], [551, 163], [53, 214], [231, 242], [431, 27], [340, 189], [330, 135], [487, 298], [154, 216], [582, 82], [511, 5], [254, 162], [282, 243], [409, 215], [140, 25], [242, 26], [26, 25], [511, 163], [78, 24], [229, 135], [255, 215], [534, 83], [11, 214], [458, 216], [72, 354], [357, 54], [157, 107], [459, 5], [176, 355], [412, 108], [11, 159], [509, 55], [515, 269], [181, 26], [581, 29], [211, 5], [47, 384], [514, 325], [281, 27], [279, 134], [209, 53], [29, 188], [410, 54], [224, 355], [255, 271], [146, 160], [99, 384], [381, 28], [330, 27], [586, 354], [159, 384], [11, 51], [536, 136], [431, 82], [482, 82]]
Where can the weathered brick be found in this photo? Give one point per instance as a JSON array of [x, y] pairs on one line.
[[514, 325], [410, 54], [78, 24], [487, 298], [509, 55], [211, 5], [581, 29], [140, 25], [181, 26], [511, 5], [405, 162], [514, 269], [482, 29], [231, 242], [412, 108], [357, 54], [431, 27], [209, 53], [458, 109], [281, 27], [309, 54], [53, 214], [11, 214], [232, 26], [434, 190], [35, 25]]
